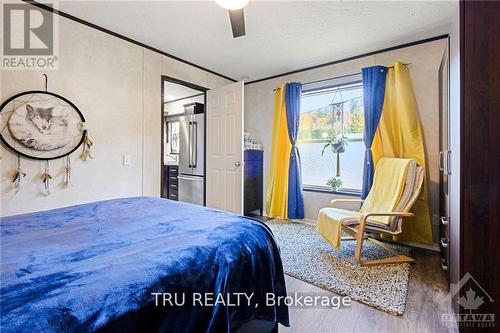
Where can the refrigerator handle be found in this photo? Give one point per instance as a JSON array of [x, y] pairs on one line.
[[195, 143], [190, 144], [165, 124]]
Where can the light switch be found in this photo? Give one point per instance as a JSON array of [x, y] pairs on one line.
[[127, 159]]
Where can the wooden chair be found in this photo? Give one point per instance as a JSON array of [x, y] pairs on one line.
[[357, 228]]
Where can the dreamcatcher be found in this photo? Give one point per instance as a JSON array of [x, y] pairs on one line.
[[43, 126]]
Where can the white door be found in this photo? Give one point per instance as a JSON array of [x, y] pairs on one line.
[[224, 174]]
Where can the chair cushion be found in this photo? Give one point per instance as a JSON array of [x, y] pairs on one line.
[[407, 192], [351, 218], [405, 197], [329, 224], [388, 186], [371, 224], [340, 214]]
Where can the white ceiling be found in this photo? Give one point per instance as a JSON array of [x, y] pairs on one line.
[[174, 91], [281, 35]]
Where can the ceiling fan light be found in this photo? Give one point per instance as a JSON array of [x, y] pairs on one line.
[[232, 4]]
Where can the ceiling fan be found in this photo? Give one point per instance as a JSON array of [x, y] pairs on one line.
[[236, 15]]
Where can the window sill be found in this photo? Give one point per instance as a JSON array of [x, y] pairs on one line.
[[330, 191]]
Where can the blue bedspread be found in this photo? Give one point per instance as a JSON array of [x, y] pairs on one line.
[[94, 267]]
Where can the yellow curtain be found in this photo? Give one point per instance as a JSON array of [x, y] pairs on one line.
[[277, 185], [399, 135]]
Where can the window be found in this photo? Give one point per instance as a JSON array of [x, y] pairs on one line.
[[327, 113]]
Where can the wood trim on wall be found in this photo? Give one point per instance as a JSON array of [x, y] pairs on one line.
[[422, 41], [480, 151], [133, 41], [130, 40]]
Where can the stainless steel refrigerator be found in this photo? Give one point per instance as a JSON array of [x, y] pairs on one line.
[[191, 157]]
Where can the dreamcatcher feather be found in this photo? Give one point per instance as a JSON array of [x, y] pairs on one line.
[[19, 174], [42, 125], [67, 172], [87, 144], [46, 177]]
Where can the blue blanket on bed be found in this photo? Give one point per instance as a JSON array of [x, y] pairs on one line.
[[95, 267]]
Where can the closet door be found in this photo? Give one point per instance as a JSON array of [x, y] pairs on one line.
[[480, 154]]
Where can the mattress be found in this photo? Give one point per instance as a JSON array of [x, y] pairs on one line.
[[107, 266]]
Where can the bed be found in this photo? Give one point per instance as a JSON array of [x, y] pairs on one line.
[[101, 266]]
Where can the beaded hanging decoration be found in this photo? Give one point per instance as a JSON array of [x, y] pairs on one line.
[[44, 126]]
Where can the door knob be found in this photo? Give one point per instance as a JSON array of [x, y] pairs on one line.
[[238, 164]]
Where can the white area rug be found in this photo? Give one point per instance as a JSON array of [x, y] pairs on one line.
[[308, 257]]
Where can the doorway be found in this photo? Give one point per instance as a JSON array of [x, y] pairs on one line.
[[183, 149]]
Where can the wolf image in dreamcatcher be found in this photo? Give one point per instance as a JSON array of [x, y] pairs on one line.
[[44, 126], [41, 125]]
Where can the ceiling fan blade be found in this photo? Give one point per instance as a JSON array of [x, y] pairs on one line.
[[237, 17]]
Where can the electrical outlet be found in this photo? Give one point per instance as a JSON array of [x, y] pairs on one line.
[[127, 159]]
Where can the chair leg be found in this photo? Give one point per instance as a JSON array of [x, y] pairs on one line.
[[360, 237], [396, 259], [358, 251]]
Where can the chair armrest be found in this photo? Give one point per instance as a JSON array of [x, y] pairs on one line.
[[334, 201], [366, 215]]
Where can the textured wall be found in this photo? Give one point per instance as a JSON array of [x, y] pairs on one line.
[[117, 86], [424, 59]]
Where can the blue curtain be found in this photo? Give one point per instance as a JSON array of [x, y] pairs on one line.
[[373, 101], [293, 93]]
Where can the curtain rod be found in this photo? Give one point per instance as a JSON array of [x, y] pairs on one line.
[[341, 76]]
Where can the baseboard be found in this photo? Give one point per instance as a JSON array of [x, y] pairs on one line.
[[307, 221]]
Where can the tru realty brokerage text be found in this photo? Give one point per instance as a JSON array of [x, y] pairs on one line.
[[249, 299]]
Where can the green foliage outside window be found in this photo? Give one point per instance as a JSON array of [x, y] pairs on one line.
[[335, 183], [321, 123]]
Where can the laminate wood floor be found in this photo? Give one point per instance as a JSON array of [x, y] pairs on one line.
[[423, 308]]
